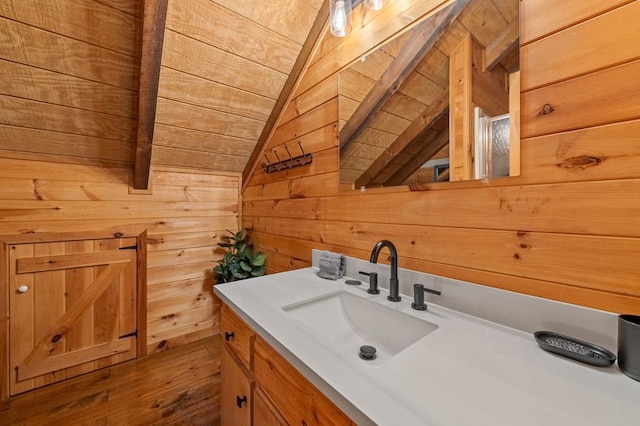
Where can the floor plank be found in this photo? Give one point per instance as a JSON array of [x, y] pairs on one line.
[[177, 386]]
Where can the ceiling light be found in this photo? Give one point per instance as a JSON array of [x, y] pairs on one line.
[[340, 17], [374, 4]]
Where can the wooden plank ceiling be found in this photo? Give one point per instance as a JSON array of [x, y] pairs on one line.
[[69, 72]]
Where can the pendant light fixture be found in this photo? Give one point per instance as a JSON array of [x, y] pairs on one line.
[[340, 17], [374, 4]]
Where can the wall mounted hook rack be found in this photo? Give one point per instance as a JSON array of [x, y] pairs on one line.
[[300, 160]]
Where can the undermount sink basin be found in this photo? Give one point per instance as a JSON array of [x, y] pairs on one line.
[[347, 322]]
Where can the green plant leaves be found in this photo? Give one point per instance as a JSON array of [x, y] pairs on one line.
[[239, 261], [259, 259]]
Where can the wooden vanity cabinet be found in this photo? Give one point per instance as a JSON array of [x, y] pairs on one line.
[[236, 391], [236, 382], [276, 393]]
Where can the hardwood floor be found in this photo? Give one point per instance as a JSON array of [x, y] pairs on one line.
[[177, 386]]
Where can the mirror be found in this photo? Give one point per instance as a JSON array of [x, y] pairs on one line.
[[439, 102]]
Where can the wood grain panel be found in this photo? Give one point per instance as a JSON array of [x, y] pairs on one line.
[[131, 7], [299, 400], [114, 29], [319, 94], [50, 210], [194, 57], [40, 189], [541, 208], [602, 97], [31, 46], [207, 94], [586, 40], [40, 115], [178, 320], [523, 253], [62, 261], [24, 139], [178, 114], [176, 137], [317, 118], [547, 16], [163, 155], [597, 153], [183, 256], [23, 81], [239, 34], [292, 20]]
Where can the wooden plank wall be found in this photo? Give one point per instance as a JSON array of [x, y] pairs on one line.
[[567, 229], [185, 217], [69, 79]]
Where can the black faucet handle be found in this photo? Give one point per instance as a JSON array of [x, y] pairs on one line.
[[373, 282], [418, 296]]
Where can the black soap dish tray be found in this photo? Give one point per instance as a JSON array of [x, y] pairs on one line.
[[574, 349]]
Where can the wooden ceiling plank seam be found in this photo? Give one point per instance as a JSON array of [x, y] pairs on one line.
[[152, 26], [310, 45], [40, 48], [282, 22], [430, 115], [424, 38], [113, 31], [257, 43], [65, 90], [502, 45], [126, 6], [415, 162]]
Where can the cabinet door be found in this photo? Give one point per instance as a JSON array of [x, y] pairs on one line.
[[235, 393], [264, 413], [72, 309], [299, 401]]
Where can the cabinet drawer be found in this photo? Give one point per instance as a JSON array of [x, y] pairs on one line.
[[299, 402], [235, 392], [237, 335]]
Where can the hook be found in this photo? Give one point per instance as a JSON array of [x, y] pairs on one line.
[[304, 156], [290, 158], [268, 161], [275, 152]]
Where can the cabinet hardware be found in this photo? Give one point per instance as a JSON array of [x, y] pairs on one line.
[[132, 334], [228, 335], [239, 400]]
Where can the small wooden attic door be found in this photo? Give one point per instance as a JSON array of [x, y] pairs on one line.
[[72, 308]]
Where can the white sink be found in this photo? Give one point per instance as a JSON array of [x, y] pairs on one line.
[[347, 322]]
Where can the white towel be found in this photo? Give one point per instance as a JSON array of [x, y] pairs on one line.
[[332, 265]]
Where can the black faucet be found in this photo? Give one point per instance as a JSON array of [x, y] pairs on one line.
[[394, 291]]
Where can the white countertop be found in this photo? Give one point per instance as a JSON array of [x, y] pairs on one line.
[[469, 371]]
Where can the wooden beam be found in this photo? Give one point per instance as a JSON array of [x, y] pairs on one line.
[[424, 37], [154, 14], [287, 91], [430, 149], [429, 116], [502, 45]]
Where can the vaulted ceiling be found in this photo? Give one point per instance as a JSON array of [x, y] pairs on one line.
[[70, 69]]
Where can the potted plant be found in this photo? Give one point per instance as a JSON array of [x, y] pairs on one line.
[[239, 261]]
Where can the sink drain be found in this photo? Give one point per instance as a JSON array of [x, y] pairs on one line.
[[367, 352]]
